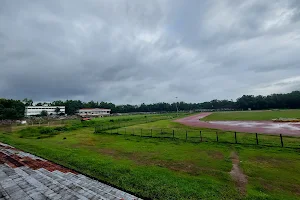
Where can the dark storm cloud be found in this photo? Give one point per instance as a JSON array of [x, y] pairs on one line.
[[148, 51]]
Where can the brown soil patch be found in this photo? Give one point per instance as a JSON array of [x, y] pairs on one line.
[[110, 152], [215, 154], [270, 186], [237, 174], [87, 142], [272, 161], [150, 159]]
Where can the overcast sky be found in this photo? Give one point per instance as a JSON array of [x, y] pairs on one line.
[[133, 51]]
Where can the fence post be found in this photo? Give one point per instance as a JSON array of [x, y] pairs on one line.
[[235, 137], [186, 135], [200, 136], [151, 132], [217, 136], [281, 140], [173, 134], [256, 138]]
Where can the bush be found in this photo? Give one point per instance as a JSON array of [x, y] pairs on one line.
[[29, 132], [61, 128], [37, 132], [46, 130]]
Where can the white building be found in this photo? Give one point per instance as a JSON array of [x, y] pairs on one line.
[[93, 112], [36, 110]]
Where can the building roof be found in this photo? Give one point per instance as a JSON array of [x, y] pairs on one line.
[[94, 109], [43, 106]]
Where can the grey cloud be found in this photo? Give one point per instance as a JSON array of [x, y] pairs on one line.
[[146, 51]]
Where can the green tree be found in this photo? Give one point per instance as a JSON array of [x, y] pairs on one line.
[[289, 100], [72, 106], [58, 103], [10, 113], [44, 113], [2, 111], [11, 109], [57, 110], [28, 102]]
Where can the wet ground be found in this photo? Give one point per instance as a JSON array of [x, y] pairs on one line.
[[267, 127], [25, 176]]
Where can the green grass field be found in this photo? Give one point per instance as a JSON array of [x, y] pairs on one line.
[[160, 168], [252, 115]]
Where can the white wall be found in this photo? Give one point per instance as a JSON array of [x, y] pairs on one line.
[[94, 112], [36, 110]]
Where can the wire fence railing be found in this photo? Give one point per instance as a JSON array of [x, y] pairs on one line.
[[198, 136]]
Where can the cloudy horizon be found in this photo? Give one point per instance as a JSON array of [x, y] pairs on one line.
[[132, 52]]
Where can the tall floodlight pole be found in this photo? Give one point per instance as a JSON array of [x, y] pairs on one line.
[[176, 106]]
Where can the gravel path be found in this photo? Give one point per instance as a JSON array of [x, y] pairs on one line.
[[237, 174], [25, 176]]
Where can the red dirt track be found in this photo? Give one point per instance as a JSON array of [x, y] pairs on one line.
[[267, 127]]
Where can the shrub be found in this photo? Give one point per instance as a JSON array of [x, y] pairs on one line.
[[61, 128], [29, 132], [46, 130]]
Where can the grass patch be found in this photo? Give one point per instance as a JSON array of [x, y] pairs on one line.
[[153, 168]]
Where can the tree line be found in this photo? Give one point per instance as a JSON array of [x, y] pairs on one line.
[[14, 109]]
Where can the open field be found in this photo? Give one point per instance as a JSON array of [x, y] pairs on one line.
[[161, 168], [252, 115]]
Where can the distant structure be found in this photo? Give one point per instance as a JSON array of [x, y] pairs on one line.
[[51, 110], [93, 112]]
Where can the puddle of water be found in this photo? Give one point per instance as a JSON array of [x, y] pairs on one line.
[[268, 125], [283, 126]]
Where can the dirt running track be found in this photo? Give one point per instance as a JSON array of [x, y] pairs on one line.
[[267, 127]]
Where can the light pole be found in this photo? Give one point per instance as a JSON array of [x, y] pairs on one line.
[[176, 106]]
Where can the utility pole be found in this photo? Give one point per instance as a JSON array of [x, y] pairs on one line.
[[176, 106]]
